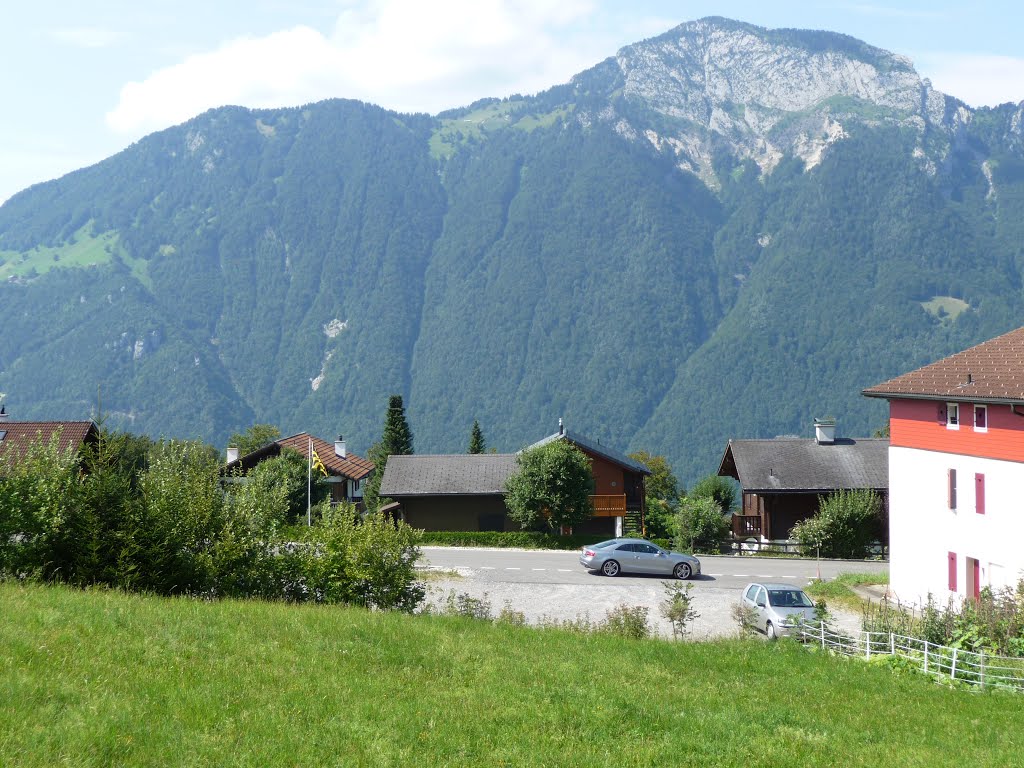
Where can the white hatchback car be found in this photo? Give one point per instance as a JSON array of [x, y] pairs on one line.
[[779, 608]]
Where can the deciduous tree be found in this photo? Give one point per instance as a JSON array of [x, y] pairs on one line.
[[551, 488]]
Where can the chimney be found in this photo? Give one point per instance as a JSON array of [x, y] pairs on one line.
[[561, 427], [339, 447], [232, 453], [825, 431], [3, 413]]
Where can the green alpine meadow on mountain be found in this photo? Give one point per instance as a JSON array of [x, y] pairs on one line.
[[724, 231]]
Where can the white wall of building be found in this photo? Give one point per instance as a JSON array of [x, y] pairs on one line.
[[923, 530]]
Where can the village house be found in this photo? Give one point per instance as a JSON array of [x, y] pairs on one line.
[[783, 480], [466, 492], [956, 469]]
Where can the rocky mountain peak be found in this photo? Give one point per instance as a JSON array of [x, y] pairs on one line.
[[764, 92]]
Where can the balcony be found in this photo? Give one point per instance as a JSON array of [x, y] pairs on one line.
[[746, 525], [609, 506]]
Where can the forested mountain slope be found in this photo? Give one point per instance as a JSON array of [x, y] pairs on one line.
[[721, 232]]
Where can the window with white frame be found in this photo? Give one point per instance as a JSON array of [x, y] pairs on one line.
[[952, 416], [981, 418]]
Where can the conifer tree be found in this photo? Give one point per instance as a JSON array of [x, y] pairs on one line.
[[476, 439], [396, 441]]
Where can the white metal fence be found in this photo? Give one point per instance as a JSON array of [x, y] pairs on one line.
[[939, 661]]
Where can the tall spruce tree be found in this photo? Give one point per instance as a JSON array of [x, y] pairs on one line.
[[476, 439], [396, 441]]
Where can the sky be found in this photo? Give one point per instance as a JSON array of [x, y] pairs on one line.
[[82, 81]]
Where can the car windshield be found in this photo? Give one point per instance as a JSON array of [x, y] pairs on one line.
[[789, 598]]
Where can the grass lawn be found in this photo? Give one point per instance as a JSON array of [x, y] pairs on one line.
[[838, 592], [103, 678]]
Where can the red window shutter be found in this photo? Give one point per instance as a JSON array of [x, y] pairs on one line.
[[951, 489], [942, 413], [977, 578], [952, 571], [979, 493]]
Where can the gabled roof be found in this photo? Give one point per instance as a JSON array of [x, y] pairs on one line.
[[992, 371], [351, 466], [17, 436], [791, 464], [467, 474], [594, 447]]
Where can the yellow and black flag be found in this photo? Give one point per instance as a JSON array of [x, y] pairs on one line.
[[317, 463]]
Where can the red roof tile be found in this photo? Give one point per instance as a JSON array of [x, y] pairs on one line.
[[352, 466], [18, 436], [991, 371]]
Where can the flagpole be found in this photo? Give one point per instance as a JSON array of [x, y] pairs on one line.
[[309, 486]]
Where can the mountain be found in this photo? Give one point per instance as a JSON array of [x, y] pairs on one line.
[[724, 231]]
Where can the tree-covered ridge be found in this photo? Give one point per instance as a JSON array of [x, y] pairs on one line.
[[513, 262]]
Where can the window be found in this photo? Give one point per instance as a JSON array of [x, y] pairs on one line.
[[952, 416], [752, 593], [979, 493], [951, 488], [981, 418]]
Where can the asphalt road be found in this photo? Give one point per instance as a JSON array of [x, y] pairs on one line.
[[550, 586], [562, 567]]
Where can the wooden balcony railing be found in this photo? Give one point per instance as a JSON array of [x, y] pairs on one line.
[[609, 506], [746, 525]]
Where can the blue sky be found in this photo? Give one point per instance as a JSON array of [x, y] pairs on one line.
[[84, 80]]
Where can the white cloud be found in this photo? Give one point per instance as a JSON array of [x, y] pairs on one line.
[[402, 54], [978, 79], [85, 37]]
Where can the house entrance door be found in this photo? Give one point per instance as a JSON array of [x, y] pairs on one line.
[[973, 575]]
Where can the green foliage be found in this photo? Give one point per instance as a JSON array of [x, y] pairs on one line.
[[662, 490], [368, 561], [847, 524], [511, 539], [396, 441], [678, 608], [721, 489], [551, 487], [289, 474], [476, 439], [627, 621], [254, 438], [700, 525]]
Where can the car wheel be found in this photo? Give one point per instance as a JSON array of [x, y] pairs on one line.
[[610, 568], [769, 629], [682, 571]]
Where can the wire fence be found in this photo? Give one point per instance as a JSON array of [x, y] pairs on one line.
[[939, 661]]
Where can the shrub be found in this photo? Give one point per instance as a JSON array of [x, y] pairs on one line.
[[721, 489], [551, 487], [846, 525], [700, 525], [626, 621], [519, 539], [745, 617], [678, 607]]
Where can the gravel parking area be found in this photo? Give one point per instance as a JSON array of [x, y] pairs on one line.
[[571, 601]]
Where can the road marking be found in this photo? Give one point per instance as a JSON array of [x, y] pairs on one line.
[[766, 576], [486, 567], [713, 574], [538, 569], [745, 576], [512, 569], [565, 570]]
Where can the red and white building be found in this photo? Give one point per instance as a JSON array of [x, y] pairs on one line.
[[956, 472]]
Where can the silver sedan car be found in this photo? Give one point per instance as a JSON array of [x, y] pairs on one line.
[[778, 608], [617, 556]]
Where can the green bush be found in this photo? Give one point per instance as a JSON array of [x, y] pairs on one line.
[[510, 539], [847, 524], [551, 487], [700, 525]]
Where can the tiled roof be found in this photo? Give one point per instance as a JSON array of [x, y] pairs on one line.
[[455, 475], [19, 435], [594, 447], [801, 464], [352, 466], [991, 371]]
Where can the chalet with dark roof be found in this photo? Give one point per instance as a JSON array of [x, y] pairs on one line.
[[783, 480], [466, 492], [346, 472]]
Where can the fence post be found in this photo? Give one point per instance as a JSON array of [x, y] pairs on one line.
[[981, 664], [952, 667], [926, 657], [867, 645], [823, 635], [892, 644]]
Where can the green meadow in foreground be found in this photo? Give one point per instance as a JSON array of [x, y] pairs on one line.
[[105, 678]]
